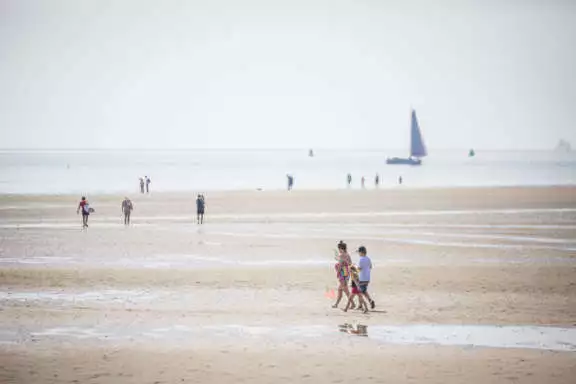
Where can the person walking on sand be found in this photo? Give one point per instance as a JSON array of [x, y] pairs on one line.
[[200, 206], [349, 180], [141, 185], [290, 181], [365, 267], [363, 182], [342, 268], [148, 181], [355, 292], [377, 180], [127, 208], [85, 207]]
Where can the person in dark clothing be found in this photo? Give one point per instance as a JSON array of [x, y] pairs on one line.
[[148, 181], [377, 180], [127, 208], [290, 182], [200, 206], [349, 179], [141, 185]]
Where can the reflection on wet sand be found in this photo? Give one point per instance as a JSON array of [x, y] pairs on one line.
[[354, 329]]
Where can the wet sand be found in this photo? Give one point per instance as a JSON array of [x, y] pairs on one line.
[[471, 285]]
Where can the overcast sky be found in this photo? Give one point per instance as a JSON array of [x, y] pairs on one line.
[[294, 73]]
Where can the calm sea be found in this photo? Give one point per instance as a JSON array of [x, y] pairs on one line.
[[55, 172]]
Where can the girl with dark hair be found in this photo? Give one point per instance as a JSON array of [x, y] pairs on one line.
[[342, 268]]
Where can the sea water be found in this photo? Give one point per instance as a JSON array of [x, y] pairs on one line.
[[118, 171]]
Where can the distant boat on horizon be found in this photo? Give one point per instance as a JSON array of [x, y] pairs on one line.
[[417, 146], [563, 146]]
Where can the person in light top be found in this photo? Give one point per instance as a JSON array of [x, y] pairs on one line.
[[365, 267]]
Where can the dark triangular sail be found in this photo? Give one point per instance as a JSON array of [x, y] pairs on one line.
[[417, 147]]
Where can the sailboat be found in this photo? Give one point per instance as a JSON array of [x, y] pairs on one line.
[[563, 146], [417, 147]]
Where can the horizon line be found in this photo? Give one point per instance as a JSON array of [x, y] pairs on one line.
[[270, 149]]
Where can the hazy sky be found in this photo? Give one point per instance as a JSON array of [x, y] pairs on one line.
[[294, 73]]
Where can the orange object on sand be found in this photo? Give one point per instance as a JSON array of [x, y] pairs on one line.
[[330, 294]]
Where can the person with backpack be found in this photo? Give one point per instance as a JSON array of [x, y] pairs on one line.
[[127, 208], [85, 207]]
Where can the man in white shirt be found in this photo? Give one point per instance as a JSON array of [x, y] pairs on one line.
[[365, 266]]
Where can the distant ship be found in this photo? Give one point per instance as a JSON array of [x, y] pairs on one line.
[[417, 147], [471, 153], [310, 153], [563, 146]]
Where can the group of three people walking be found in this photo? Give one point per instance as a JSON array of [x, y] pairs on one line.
[[357, 275], [128, 207]]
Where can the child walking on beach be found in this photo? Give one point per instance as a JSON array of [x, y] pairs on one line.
[[355, 292]]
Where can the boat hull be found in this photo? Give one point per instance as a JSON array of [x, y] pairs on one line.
[[403, 161]]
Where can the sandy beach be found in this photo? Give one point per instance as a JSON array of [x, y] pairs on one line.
[[470, 284]]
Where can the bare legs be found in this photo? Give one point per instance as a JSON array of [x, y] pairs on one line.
[[364, 292], [361, 303], [342, 287]]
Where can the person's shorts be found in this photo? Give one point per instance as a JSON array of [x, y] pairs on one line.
[[364, 286], [200, 212], [355, 290]]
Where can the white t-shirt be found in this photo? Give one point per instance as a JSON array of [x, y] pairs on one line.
[[365, 265]]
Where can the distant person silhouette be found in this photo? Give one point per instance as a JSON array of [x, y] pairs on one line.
[[85, 207], [127, 208], [400, 180], [141, 185], [200, 207], [349, 179], [377, 180], [148, 181], [290, 182]]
